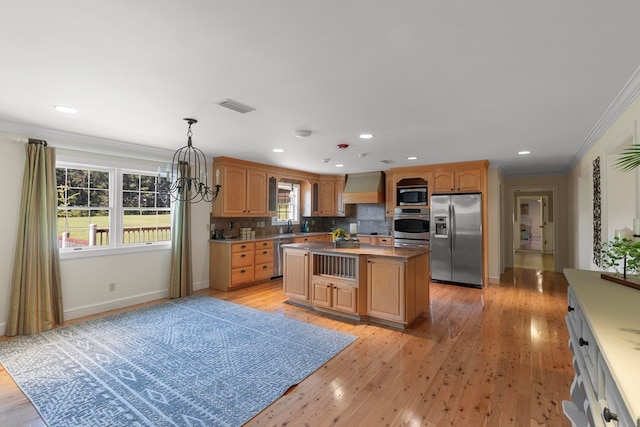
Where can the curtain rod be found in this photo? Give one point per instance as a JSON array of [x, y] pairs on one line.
[[37, 141]]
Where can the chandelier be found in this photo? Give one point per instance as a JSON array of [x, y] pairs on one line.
[[189, 174]]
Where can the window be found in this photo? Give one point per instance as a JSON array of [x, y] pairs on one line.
[[110, 207], [146, 211], [288, 204], [84, 206]]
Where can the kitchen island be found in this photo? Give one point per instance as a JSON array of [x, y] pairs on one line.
[[377, 283]]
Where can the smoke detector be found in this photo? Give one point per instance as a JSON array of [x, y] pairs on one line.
[[302, 133]]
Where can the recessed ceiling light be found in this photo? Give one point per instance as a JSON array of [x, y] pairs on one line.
[[412, 158], [366, 135], [339, 165], [524, 152], [65, 109], [278, 150]]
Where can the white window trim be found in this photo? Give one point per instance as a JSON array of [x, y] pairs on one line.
[[116, 246]]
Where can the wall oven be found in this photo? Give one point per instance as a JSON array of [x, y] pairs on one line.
[[412, 195], [411, 227]]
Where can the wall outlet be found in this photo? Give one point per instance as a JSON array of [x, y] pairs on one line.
[[112, 287]]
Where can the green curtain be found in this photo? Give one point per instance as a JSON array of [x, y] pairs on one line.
[[36, 289], [180, 276]]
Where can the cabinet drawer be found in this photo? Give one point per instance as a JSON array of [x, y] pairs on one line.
[[385, 241], [263, 271], [264, 244], [609, 396], [242, 247], [264, 255], [242, 259], [241, 275]]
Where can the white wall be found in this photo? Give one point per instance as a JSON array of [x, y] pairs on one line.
[[620, 195], [139, 277]]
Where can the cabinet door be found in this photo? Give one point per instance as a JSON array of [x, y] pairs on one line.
[[295, 278], [234, 185], [339, 190], [386, 287], [321, 292], [327, 198], [344, 298], [256, 192], [468, 180], [444, 181], [390, 196]]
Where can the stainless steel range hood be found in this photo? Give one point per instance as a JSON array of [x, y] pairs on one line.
[[367, 187]]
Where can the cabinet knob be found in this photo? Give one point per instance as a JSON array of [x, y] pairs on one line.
[[608, 415], [243, 255], [583, 342], [264, 252], [243, 271], [264, 267], [570, 309]]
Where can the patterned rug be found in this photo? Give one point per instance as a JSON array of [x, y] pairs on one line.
[[194, 361]]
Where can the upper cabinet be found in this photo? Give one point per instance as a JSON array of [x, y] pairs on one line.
[[243, 192], [390, 195], [457, 180], [323, 197]]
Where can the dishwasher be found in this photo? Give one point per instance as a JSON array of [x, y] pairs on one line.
[[277, 255]]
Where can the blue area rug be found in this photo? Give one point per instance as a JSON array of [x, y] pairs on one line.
[[194, 361]]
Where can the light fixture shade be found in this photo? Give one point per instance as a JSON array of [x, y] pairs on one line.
[[189, 174]]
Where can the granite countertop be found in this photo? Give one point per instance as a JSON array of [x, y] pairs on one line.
[[386, 251], [613, 314], [285, 235]]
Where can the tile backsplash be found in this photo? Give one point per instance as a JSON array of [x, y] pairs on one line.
[[369, 217]]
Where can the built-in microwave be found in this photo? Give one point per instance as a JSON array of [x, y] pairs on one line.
[[412, 196]]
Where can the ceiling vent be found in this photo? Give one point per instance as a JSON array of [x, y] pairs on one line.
[[235, 106]]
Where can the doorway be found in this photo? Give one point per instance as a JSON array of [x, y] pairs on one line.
[[533, 229]]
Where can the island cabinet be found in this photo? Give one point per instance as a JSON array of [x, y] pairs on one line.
[[295, 277], [398, 290], [243, 192], [390, 288], [603, 321]]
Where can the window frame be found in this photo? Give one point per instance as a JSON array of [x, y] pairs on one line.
[[116, 244], [298, 207]]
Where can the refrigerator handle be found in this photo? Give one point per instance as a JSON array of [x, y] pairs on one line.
[[452, 226]]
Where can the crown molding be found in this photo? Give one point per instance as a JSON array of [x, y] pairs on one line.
[[86, 143], [621, 102]]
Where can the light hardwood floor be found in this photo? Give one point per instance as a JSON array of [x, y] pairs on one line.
[[491, 357]]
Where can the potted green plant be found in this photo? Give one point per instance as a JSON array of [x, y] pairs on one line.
[[621, 253]]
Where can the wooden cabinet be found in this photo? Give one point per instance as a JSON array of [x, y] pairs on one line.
[[384, 241], [390, 195], [239, 264], [386, 285], [327, 197], [365, 240], [397, 290], [605, 351], [243, 192], [295, 278], [335, 294], [330, 200], [458, 180], [263, 267]]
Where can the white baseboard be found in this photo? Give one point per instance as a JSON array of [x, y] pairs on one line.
[[87, 310], [494, 280], [201, 285]]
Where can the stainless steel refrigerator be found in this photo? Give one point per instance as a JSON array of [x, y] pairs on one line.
[[456, 238]]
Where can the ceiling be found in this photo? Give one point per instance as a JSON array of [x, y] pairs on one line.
[[442, 80]]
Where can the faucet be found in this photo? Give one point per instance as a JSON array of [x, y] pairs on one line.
[[289, 227]]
